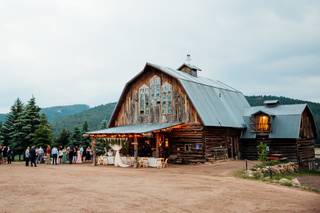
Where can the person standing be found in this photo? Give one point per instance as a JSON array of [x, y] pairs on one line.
[[70, 154], [33, 156], [41, 153], [9, 155], [54, 153], [27, 156], [48, 154], [60, 155], [64, 155]]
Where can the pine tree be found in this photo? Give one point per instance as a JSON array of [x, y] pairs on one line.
[[1, 137], [43, 135], [31, 121], [76, 137], [64, 138], [85, 141], [12, 128]]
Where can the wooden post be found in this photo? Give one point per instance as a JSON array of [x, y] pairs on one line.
[[135, 151], [135, 147], [157, 145], [93, 147]]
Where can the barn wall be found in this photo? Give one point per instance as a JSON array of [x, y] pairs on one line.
[[205, 143], [192, 136], [286, 147], [221, 143], [128, 112]]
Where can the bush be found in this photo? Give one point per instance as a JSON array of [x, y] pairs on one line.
[[262, 152]]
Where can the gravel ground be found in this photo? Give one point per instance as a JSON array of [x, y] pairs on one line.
[[191, 188]]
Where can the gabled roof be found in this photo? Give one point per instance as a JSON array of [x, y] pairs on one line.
[[216, 103], [286, 120], [193, 67]]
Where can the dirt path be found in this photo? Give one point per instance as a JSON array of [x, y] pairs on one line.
[[203, 188]]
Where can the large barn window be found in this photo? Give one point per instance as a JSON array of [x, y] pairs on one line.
[[155, 84], [166, 96], [144, 105], [262, 123]]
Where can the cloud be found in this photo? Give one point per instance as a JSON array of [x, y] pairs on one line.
[[66, 52]]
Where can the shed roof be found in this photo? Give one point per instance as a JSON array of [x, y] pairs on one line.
[[216, 103], [134, 129], [286, 120]]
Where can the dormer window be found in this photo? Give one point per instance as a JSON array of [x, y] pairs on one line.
[[262, 123]]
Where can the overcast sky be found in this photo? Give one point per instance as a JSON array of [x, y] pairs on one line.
[[76, 51]]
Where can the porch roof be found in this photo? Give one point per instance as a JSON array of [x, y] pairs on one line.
[[134, 129]]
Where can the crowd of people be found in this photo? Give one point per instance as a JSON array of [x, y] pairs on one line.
[[56, 155]]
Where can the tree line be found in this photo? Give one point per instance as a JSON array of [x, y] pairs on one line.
[[25, 125]]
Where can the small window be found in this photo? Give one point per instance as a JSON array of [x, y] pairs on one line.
[[187, 147], [262, 123], [198, 146]]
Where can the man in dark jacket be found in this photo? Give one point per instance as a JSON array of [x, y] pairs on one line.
[[9, 155], [33, 156]]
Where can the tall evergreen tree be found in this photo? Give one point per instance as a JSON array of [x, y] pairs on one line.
[[12, 128], [43, 135], [31, 121], [64, 138], [85, 140], [76, 136], [1, 137]]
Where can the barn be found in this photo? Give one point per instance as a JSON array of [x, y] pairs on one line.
[[179, 115]]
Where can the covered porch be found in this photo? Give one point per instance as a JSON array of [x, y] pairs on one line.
[[144, 142]]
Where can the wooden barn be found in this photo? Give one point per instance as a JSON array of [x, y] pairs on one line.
[[187, 118], [288, 130]]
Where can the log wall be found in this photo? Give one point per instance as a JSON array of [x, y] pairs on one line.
[[286, 147], [195, 143]]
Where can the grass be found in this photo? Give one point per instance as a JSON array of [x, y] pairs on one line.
[[277, 177]]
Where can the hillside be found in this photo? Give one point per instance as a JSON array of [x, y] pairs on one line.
[[58, 112], [95, 117], [2, 117]]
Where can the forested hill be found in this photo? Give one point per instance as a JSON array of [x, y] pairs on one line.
[[97, 117], [58, 112], [2, 117]]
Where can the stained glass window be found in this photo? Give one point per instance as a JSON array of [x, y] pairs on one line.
[[155, 84], [166, 98], [144, 104]]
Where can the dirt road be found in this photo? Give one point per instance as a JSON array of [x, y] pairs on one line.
[[203, 188]]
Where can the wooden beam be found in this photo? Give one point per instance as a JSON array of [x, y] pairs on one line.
[[93, 146]]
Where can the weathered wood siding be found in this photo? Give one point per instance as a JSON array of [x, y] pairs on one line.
[[128, 111], [306, 141], [286, 147], [221, 138], [191, 137], [195, 143]]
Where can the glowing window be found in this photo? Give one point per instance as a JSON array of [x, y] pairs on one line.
[[262, 123]]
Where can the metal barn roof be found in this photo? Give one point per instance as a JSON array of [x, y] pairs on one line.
[[285, 121], [137, 128], [216, 103]]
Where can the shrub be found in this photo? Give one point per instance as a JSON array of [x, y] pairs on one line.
[[262, 152]]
